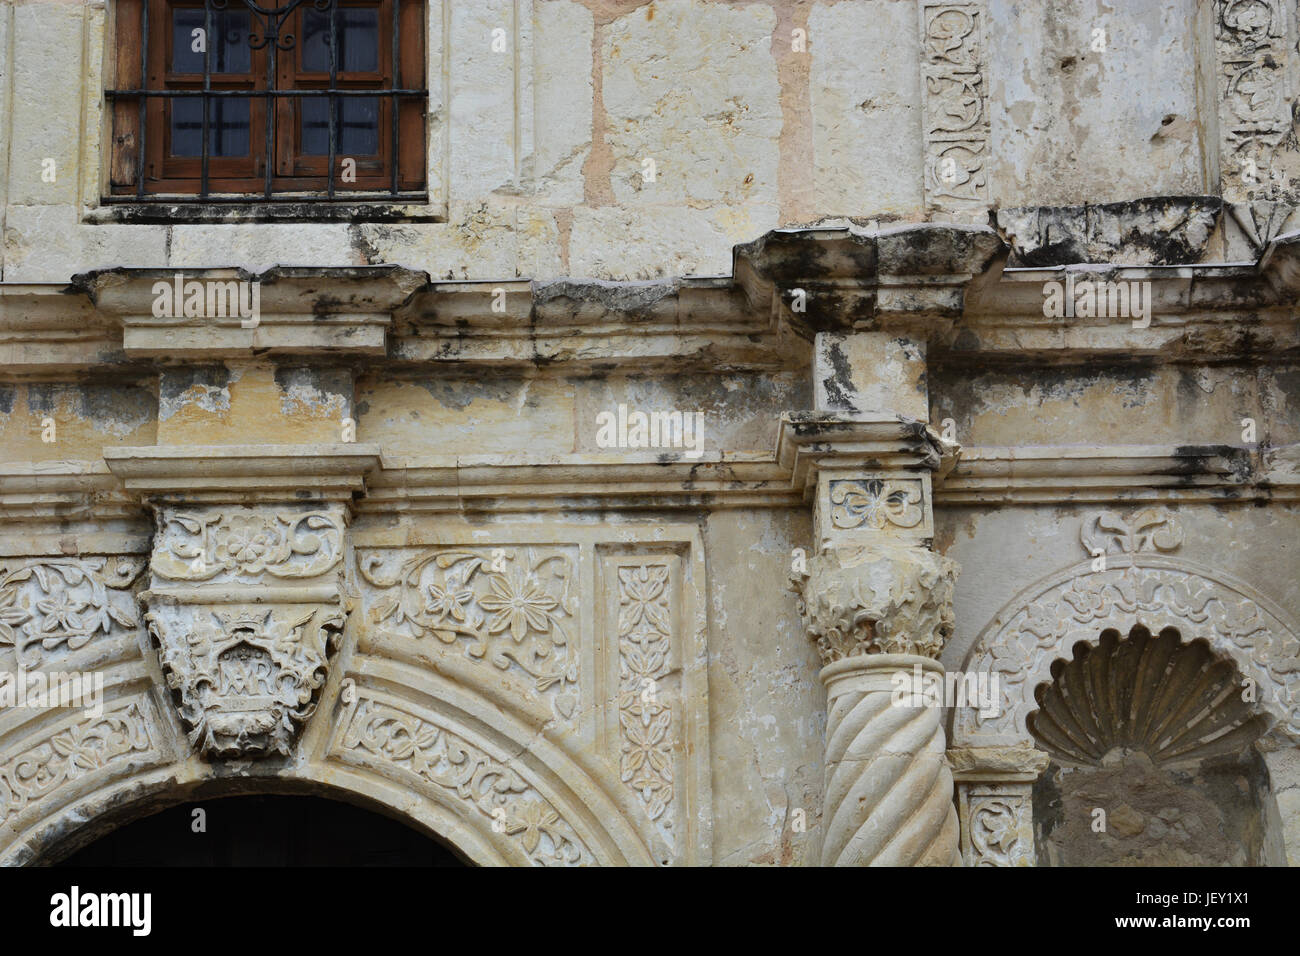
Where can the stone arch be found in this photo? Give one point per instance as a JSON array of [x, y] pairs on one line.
[[1044, 622], [436, 755]]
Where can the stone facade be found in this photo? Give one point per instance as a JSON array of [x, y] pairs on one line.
[[743, 359]]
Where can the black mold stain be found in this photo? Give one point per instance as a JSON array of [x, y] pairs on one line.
[[839, 384], [175, 382]]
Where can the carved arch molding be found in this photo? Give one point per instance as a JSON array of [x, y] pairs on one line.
[[1131, 581], [538, 698]]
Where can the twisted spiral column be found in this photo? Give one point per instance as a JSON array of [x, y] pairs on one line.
[[876, 612], [889, 790]]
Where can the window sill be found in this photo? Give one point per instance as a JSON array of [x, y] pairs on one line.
[[306, 210]]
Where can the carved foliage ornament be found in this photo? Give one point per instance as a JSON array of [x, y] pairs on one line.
[[247, 677], [201, 544], [49, 604], [998, 829], [1153, 530], [69, 754], [1147, 592], [889, 598], [644, 716], [1258, 139], [514, 607], [455, 766]]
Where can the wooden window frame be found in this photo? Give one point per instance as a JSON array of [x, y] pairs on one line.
[[278, 85]]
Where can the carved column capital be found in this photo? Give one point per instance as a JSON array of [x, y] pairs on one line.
[[888, 597]]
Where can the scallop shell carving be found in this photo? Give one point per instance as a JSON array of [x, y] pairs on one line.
[[1178, 703]]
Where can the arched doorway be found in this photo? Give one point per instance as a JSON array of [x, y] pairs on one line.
[[265, 830]]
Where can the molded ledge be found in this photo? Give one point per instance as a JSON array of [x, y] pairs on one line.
[[244, 472]]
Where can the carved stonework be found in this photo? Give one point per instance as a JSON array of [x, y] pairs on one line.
[[591, 639], [1048, 621], [888, 784], [376, 731], [877, 503], [955, 94], [1152, 530], [248, 676], [210, 544], [513, 607], [48, 604], [886, 598], [997, 824], [1175, 702], [1258, 151], [644, 715], [85, 747], [245, 605]]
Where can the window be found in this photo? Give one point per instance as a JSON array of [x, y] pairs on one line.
[[236, 101]]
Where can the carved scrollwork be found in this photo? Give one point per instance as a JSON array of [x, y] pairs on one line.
[[52, 603], [452, 764], [874, 503], [202, 544], [514, 607], [1152, 530], [889, 598], [998, 827], [1258, 124], [85, 747], [955, 104]]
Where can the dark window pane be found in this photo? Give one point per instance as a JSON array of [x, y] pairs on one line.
[[358, 40], [356, 120], [228, 126], [228, 48]]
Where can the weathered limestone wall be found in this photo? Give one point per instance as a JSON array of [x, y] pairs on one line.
[[754, 115], [467, 439]]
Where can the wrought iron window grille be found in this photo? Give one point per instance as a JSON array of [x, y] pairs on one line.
[[272, 29]]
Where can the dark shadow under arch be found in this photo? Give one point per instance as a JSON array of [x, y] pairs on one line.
[[265, 830]]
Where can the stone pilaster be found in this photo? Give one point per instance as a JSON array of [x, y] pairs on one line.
[[995, 803], [877, 601]]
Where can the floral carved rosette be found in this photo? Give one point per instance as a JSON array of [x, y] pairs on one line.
[[52, 604], [197, 544], [514, 607]]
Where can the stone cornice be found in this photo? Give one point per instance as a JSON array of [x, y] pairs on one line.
[[244, 473], [1090, 473], [945, 284], [345, 311], [63, 491], [912, 276]]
